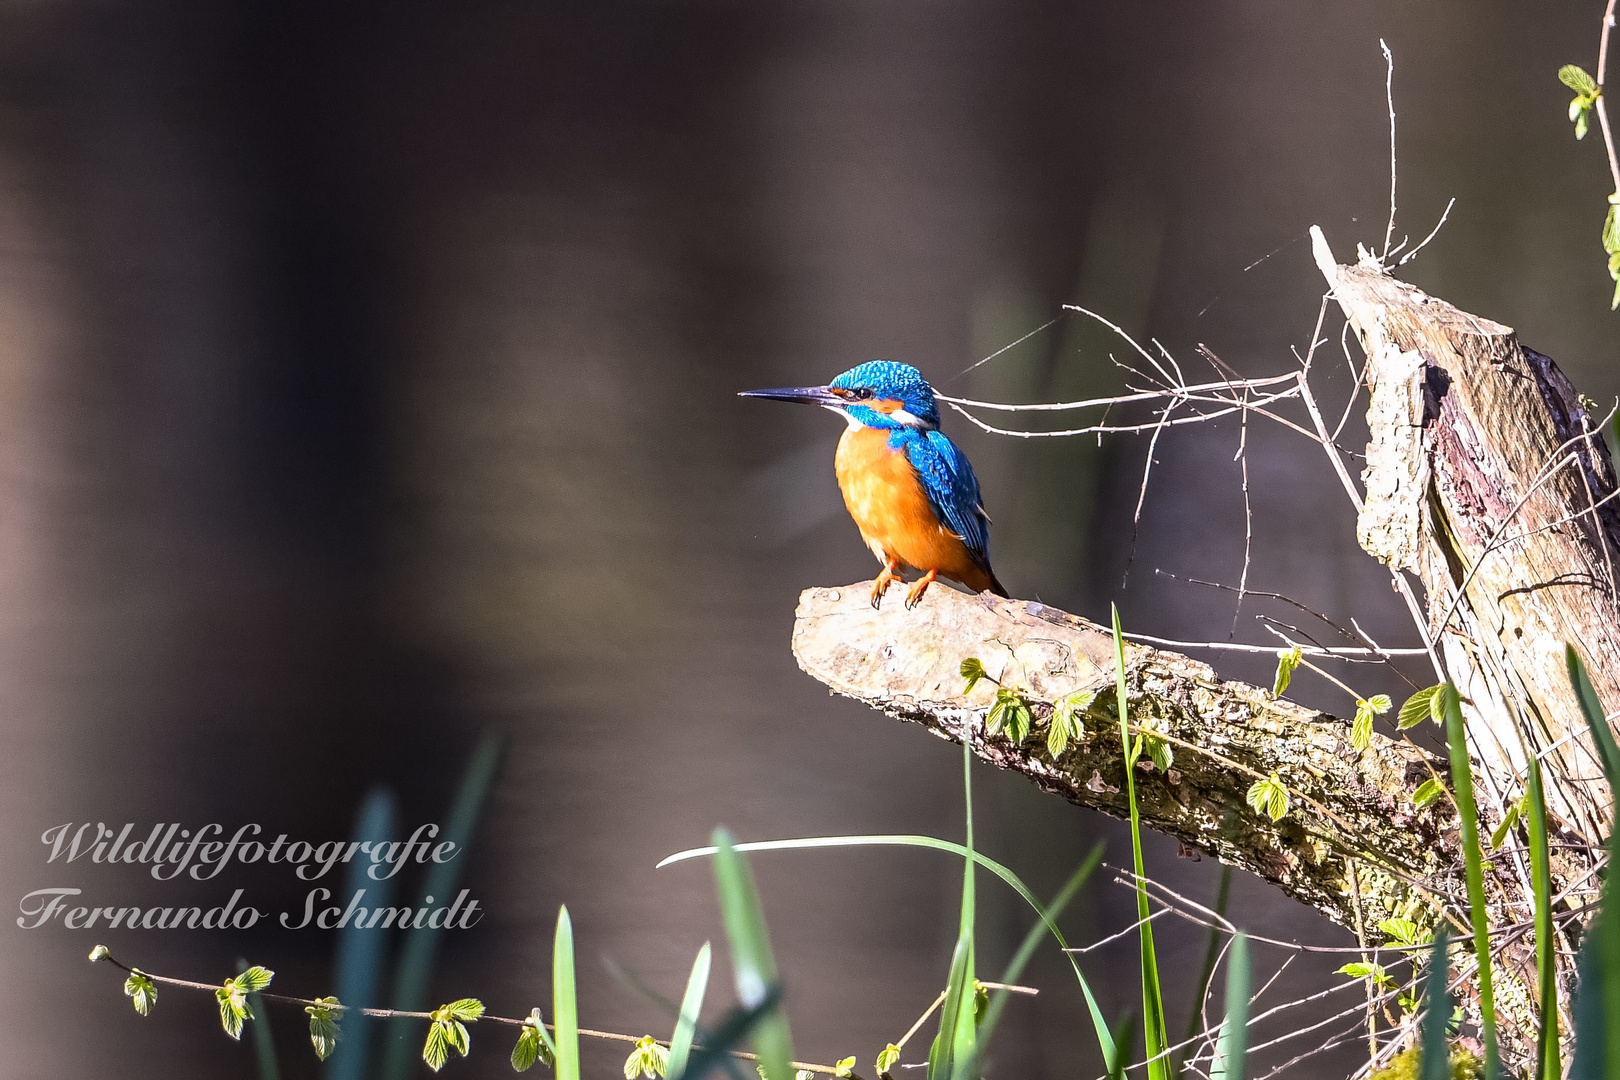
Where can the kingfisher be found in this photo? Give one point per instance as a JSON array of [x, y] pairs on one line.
[[910, 490]]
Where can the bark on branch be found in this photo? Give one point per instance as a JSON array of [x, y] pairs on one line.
[[1349, 810]]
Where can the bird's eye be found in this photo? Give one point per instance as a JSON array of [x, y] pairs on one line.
[[863, 392]]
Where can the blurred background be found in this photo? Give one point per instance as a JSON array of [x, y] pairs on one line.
[[367, 384]]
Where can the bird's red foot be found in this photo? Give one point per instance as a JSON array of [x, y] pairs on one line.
[[916, 592], [889, 575]]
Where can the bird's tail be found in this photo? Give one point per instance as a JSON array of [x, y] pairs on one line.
[[983, 579]]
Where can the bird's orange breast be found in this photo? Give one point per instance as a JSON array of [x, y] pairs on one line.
[[886, 498]]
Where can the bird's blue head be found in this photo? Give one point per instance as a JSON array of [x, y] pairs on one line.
[[877, 394]]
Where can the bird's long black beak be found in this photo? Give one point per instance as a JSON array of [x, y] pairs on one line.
[[805, 395]]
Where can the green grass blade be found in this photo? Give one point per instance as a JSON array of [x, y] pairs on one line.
[[752, 962], [1436, 1058], [1594, 714], [1548, 1066], [421, 946], [957, 1029], [564, 999], [735, 1027], [362, 953], [1124, 1041], [680, 1044], [1212, 952], [1021, 958], [1232, 1048], [1462, 781], [1600, 996], [959, 993], [1155, 1037], [1105, 1041], [264, 1046]]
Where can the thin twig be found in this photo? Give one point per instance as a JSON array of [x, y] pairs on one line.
[[1602, 110], [1389, 96], [407, 1014]]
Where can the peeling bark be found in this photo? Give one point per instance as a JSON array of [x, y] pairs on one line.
[[1485, 474]]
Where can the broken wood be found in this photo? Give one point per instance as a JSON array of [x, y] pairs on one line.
[[1486, 478]]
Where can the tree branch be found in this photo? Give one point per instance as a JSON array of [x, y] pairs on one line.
[[1346, 805]]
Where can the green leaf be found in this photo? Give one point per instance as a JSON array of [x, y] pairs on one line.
[[448, 1032], [99, 953], [1066, 723], [1287, 661], [1419, 707], [1011, 712], [436, 1050], [886, 1059], [1362, 730], [533, 1044], [648, 1059], [1403, 932], [139, 989], [1611, 231], [972, 670], [1269, 797], [527, 1050], [564, 1000], [254, 979], [697, 983], [1359, 970], [468, 1009], [233, 1008], [844, 1066], [1582, 122], [1575, 77], [753, 964], [1514, 811], [323, 1025], [1428, 792]]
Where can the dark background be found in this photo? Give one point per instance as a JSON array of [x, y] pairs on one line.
[[366, 384]]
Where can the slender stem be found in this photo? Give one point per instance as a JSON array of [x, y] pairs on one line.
[[1602, 110], [406, 1014]]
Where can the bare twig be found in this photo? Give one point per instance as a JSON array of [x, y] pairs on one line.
[[1602, 109]]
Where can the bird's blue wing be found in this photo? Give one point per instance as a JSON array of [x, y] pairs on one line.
[[953, 490]]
